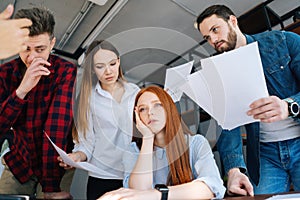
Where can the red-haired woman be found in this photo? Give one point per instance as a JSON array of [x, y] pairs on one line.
[[166, 156]]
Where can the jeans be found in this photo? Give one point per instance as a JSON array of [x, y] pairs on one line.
[[280, 167]]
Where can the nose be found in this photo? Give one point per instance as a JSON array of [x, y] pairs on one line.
[[31, 56], [213, 38], [151, 111], [107, 69]]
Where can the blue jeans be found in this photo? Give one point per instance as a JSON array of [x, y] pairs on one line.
[[279, 167]]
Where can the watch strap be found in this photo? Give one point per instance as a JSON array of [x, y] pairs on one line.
[[164, 191]]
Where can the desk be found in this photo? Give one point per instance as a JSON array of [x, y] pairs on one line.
[[257, 197]]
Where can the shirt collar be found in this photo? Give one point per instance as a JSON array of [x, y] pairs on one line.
[[159, 152], [128, 89], [249, 39]]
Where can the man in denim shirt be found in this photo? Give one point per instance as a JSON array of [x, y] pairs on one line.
[[273, 144]]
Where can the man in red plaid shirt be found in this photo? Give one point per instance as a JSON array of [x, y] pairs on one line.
[[36, 97]]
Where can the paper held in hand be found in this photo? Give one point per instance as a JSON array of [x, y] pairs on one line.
[[175, 77], [227, 84], [81, 165]]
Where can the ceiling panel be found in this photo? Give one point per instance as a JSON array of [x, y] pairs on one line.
[[150, 34]]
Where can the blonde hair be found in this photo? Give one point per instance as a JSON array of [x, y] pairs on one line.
[[89, 79]]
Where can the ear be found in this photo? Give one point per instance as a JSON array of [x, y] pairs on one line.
[[52, 42], [233, 20]]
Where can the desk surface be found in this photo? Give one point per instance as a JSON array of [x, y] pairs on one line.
[[257, 197]]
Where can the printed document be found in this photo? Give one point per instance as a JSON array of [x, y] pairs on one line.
[[227, 84]]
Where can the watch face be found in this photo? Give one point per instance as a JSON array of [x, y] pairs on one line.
[[295, 109]]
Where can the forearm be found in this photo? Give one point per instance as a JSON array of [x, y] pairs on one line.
[[191, 190], [294, 51], [141, 176], [230, 149], [20, 93], [85, 145], [10, 110]]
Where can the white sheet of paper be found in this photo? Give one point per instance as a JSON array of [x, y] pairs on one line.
[[81, 165], [175, 77], [227, 84], [285, 197]]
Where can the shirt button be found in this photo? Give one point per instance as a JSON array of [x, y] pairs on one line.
[[281, 67]]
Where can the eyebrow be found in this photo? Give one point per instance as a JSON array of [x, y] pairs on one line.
[[154, 101], [108, 62], [41, 46]]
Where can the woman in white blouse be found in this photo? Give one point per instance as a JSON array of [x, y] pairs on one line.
[[166, 156], [103, 118]]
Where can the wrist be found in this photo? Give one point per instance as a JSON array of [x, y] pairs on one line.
[[148, 137], [21, 94], [157, 194], [293, 107], [82, 156], [233, 171]]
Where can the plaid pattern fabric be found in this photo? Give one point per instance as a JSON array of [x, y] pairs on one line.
[[47, 107]]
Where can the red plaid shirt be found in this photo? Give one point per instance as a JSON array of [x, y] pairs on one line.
[[47, 107]]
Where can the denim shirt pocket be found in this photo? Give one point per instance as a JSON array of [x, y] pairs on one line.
[[279, 71]]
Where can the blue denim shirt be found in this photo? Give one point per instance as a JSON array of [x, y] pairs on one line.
[[280, 56]]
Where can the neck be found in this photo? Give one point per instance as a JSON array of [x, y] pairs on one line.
[[241, 39], [160, 139], [111, 87]]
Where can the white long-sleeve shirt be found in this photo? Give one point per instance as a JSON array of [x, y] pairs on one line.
[[110, 131]]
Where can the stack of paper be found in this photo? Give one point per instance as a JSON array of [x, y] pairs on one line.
[[228, 84]]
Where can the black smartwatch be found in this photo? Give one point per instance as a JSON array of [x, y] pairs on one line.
[[293, 107], [164, 191]]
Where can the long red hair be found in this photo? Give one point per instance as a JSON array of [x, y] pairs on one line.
[[176, 145]]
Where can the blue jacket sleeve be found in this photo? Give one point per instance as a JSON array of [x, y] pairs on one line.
[[230, 147], [293, 41]]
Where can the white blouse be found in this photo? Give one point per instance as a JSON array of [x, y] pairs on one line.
[[110, 131]]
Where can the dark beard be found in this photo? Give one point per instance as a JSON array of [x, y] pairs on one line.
[[231, 41]]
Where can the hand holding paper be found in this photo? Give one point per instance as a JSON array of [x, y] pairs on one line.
[[81, 165]]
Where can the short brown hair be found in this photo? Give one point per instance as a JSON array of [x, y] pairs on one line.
[[42, 20], [221, 11]]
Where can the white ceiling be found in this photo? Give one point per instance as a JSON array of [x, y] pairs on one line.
[[148, 33]]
